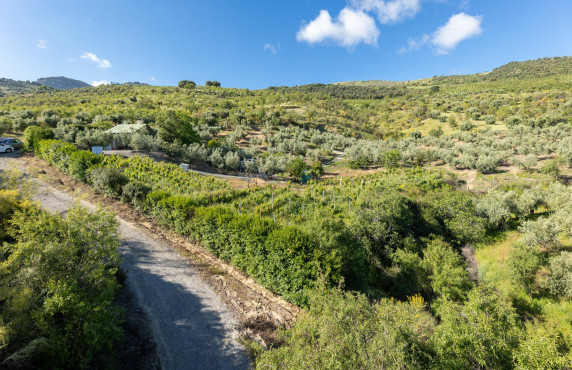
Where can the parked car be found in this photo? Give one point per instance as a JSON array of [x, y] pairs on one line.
[[14, 143], [5, 148]]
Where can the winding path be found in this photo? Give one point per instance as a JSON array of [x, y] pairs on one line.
[[193, 328]]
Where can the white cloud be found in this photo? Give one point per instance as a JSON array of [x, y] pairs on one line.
[[102, 63], [389, 11], [459, 27], [153, 79], [415, 43], [42, 44], [272, 48], [349, 29], [99, 83]]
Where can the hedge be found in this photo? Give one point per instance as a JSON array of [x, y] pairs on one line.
[[284, 259]]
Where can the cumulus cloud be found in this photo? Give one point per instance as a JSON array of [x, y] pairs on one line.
[[389, 11], [350, 28], [272, 48], [102, 63], [42, 44], [99, 83], [459, 27]]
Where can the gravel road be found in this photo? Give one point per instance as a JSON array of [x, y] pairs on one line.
[[193, 328]]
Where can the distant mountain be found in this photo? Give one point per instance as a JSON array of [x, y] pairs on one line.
[[62, 83], [10, 87]]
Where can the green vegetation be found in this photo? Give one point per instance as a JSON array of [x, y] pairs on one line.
[[58, 279], [401, 266]]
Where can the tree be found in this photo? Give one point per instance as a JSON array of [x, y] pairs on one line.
[[5, 125], [524, 261], [177, 126], [213, 83], [447, 272], [560, 280], [231, 160], [466, 126], [483, 333], [186, 84], [317, 169], [296, 166]]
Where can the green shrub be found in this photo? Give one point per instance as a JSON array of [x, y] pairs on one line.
[[59, 287], [341, 330], [483, 333], [466, 126], [108, 181], [560, 280], [80, 162], [33, 135], [361, 162], [135, 193]]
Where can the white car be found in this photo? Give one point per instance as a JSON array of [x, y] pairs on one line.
[[5, 148]]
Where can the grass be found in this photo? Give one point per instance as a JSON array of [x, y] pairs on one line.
[[492, 260]]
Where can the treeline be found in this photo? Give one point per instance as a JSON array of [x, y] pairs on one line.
[[347, 91], [58, 285]]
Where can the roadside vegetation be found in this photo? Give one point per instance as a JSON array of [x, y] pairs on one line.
[[399, 265], [58, 284]]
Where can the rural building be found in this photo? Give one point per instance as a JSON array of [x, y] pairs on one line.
[[122, 131]]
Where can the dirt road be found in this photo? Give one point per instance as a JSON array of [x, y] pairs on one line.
[[193, 328]]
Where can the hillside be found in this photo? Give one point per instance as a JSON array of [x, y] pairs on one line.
[[62, 83], [434, 225], [8, 86], [544, 67]]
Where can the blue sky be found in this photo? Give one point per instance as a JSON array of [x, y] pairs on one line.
[[256, 44]]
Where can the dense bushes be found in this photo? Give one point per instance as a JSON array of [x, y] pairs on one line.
[[34, 134], [396, 234], [58, 284], [284, 259], [344, 331], [108, 181]]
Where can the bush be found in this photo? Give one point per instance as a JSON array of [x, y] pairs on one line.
[[33, 135], [551, 167], [524, 261], [317, 169], [80, 162], [466, 126], [436, 132], [59, 288], [284, 259], [135, 193], [560, 280], [448, 275], [108, 181], [487, 164], [483, 333], [490, 119], [361, 162], [5, 125], [345, 331]]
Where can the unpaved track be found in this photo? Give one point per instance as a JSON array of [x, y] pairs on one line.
[[191, 325]]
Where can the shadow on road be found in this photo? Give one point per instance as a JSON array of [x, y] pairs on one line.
[[190, 333]]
